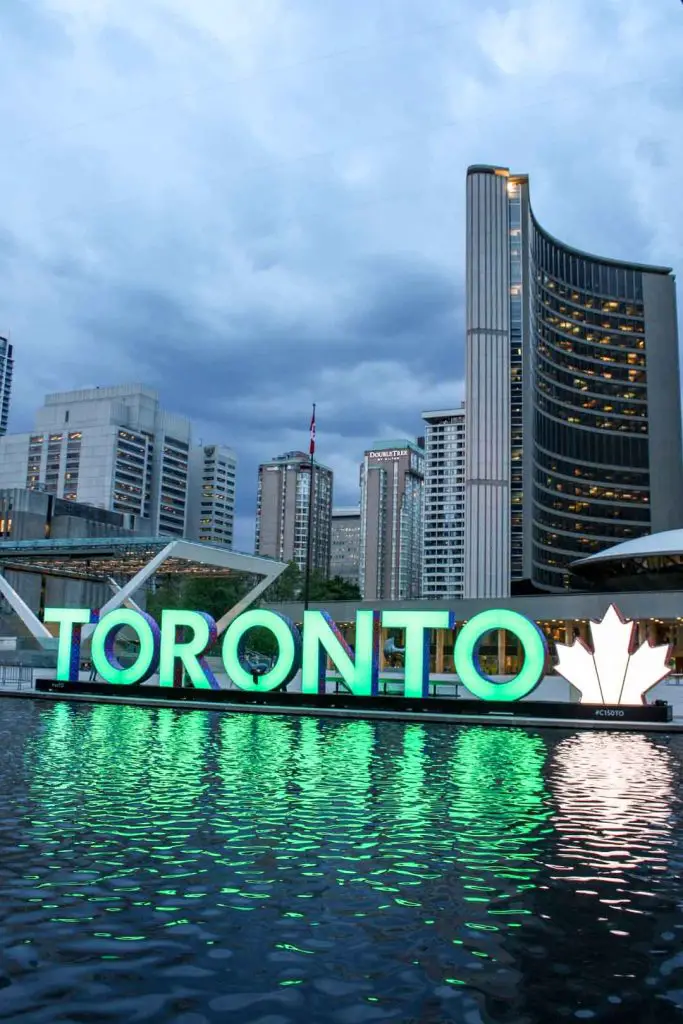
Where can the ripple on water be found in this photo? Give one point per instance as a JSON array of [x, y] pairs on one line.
[[185, 866]]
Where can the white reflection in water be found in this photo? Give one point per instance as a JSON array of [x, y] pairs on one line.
[[614, 795]]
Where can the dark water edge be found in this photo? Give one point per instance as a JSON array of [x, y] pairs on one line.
[[164, 866]]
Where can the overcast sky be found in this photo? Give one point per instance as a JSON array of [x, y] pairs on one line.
[[252, 205]]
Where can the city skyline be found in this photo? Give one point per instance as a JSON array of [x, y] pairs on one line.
[[191, 190]]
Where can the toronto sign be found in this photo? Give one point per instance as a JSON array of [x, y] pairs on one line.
[[613, 671]]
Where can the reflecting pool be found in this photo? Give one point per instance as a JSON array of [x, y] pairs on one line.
[[193, 866]]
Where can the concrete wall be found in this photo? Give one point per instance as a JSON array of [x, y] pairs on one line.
[[664, 402]]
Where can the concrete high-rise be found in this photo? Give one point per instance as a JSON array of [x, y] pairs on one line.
[[211, 515], [6, 370], [443, 549], [345, 558], [392, 479], [282, 511], [573, 397], [29, 515], [113, 448]]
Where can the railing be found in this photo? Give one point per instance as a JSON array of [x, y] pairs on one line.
[[16, 677]]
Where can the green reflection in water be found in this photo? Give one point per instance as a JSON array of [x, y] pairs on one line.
[[500, 812], [192, 820], [501, 808]]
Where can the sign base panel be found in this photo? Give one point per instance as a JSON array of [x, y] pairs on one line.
[[344, 701]]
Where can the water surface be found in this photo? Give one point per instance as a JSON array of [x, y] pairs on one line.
[[195, 866]]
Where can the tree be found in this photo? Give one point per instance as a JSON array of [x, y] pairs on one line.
[[334, 589], [212, 594], [287, 587], [168, 595]]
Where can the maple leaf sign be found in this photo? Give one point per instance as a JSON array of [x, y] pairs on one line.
[[613, 672]]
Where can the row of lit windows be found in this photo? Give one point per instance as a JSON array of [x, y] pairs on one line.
[[595, 371], [602, 475], [607, 404], [612, 449], [593, 382], [586, 348], [572, 331], [570, 515], [583, 545], [564, 298], [36, 439], [593, 326], [605, 314], [601, 421], [589, 491]]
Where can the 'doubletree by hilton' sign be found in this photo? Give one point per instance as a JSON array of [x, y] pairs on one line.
[[612, 672]]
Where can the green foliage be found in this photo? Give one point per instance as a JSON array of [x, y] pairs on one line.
[[287, 587], [334, 589], [214, 595], [262, 641]]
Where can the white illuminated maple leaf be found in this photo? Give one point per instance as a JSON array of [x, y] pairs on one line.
[[613, 673]]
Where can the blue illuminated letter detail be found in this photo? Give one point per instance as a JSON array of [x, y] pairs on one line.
[[467, 655], [178, 651], [71, 621], [103, 652]]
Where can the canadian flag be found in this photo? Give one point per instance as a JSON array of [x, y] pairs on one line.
[[312, 447]]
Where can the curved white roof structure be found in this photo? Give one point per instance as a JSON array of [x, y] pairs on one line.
[[670, 542]]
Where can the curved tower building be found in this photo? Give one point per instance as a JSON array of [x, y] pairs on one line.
[[573, 397]]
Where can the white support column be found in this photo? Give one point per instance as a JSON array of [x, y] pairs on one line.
[[37, 629]]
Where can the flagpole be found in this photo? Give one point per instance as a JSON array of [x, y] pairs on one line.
[[309, 532]]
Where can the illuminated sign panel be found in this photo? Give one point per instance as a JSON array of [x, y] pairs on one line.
[[612, 673], [395, 453]]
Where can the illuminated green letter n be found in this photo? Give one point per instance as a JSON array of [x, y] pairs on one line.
[[322, 640]]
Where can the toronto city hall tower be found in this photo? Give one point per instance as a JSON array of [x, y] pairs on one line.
[[573, 399]]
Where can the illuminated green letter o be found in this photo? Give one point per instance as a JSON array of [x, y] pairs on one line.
[[288, 660], [467, 661], [104, 659]]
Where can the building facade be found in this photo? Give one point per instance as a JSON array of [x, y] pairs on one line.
[[443, 544], [345, 556], [27, 515], [392, 481], [211, 518], [282, 511], [112, 448], [6, 371], [573, 399]]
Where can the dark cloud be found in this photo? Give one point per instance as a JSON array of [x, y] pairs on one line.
[[256, 206], [404, 297]]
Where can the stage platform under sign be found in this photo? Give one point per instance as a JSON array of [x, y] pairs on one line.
[[558, 713]]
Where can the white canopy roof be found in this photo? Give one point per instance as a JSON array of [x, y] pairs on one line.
[[669, 542]]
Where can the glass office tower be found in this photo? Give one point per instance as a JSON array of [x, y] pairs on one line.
[[573, 397]]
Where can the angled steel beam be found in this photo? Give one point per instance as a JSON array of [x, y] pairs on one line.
[[124, 593], [37, 629], [249, 598], [129, 602]]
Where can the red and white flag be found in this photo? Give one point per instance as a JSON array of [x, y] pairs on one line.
[[312, 448]]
